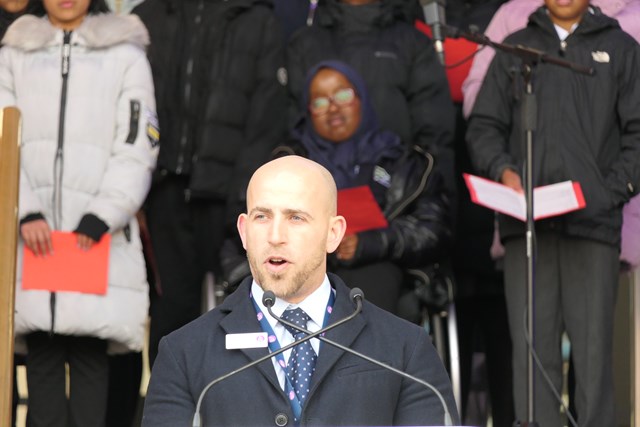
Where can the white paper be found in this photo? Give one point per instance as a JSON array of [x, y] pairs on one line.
[[549, 200]]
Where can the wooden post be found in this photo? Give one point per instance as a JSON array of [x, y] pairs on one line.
[[9, 177]]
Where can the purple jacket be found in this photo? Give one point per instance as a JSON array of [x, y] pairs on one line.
[[513, 16]]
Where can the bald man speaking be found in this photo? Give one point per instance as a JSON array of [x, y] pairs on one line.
[[290, 225]]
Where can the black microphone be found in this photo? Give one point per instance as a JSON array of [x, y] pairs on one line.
[[270, 298], [356, 295], [435, 17]]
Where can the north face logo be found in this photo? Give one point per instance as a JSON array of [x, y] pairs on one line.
[[602, 57]]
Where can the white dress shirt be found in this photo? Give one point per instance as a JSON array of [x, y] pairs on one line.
[[315, 305]]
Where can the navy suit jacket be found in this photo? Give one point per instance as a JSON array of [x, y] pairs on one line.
[[345, 390]]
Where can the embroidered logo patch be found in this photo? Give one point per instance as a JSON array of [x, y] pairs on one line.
[[282, 75], [599, 56], [153, 130], [381, 176]]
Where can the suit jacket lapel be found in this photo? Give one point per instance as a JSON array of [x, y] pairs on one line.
[[241, 318], [344, 334]]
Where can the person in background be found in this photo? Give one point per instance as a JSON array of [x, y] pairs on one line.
[[290, 225], [219, 75], [577, 262], [398, 63], [340, 131], [103, 137], [512, 16]]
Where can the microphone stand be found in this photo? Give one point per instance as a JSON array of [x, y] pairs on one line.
[[196, 417], [447, 416], [530, 59]]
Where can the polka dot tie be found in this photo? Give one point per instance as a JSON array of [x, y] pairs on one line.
[[302, 362]]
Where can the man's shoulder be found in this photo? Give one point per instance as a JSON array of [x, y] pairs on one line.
[[377, 319], [384, 322], [198, 329]]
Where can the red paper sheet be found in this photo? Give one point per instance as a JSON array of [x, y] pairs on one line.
[[69, 269], [360, 209]]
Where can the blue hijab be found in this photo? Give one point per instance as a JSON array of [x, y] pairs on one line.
[[368, 145]]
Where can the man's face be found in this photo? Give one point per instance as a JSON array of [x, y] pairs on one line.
[[565, 13], [289, 227]]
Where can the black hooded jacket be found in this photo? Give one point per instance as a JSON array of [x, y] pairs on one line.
[[407, 84], [587, 130], [219, 76]]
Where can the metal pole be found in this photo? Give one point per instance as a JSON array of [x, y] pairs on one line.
[[9, 178], [529, 120]]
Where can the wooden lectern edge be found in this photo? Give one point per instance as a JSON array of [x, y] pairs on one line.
[[9, 176]]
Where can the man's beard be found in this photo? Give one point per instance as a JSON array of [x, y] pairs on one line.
[[278, 284]]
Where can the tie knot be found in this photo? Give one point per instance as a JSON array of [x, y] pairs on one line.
[[298, 317]]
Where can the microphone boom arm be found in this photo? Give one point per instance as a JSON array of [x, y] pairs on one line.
[[527, 54], [196, 417], [447, 416]]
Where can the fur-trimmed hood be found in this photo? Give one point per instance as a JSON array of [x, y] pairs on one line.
[[96, 31]]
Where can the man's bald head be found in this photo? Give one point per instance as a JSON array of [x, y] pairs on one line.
[[290, 226], [316, 177]]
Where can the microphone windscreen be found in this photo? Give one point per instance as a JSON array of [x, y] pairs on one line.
[[355, 294], [268, 299]]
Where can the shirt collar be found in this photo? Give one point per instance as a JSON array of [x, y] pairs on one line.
[[314, 305], [562, 33]]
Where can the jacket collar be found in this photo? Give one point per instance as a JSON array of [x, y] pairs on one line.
[[31, 33], [592, 21], [241, 317]]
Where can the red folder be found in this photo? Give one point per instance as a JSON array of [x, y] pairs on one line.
[[360, 209], [69, 269], [458, 57]]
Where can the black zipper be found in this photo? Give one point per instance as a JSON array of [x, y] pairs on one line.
[[58, 162]]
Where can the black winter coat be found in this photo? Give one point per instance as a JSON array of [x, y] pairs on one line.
[[588, 127], [219, 89], [408, 86], [415, 205]]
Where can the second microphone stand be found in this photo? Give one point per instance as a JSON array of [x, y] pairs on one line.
[[530, 59]]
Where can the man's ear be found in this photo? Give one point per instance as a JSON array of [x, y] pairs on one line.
[[337, 228], [242, 229]]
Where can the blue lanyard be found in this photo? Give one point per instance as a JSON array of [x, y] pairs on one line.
[[274, 345]]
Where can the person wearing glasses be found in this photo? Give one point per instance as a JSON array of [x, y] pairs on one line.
[[339, 129], [407, 84]]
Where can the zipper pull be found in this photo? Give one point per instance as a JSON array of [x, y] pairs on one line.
[[313, 4], [66, 52]]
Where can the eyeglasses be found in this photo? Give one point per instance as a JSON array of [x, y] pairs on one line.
[[341, 98]]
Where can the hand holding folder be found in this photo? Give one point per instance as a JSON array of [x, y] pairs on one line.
[[360, 209], [69, 268]]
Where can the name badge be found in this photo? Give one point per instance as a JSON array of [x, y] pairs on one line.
[[248, 340]]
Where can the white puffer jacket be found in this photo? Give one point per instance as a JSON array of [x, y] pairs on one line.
[[109, 152]]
